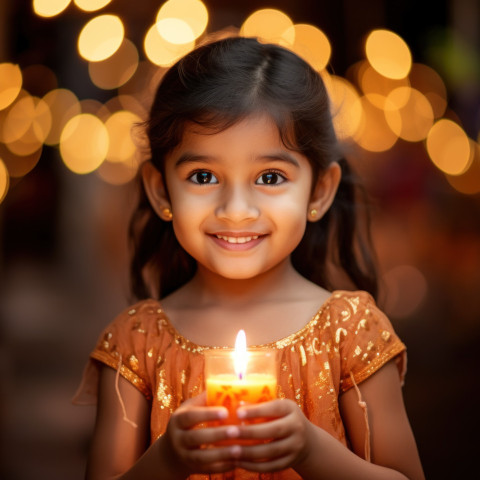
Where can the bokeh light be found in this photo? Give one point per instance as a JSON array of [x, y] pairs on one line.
[[101, 37], [49, 8], [426, 80], [374, 135], [163, 53], [175, 30], [190, 19], [4, 180], [310, 43], [119, 127], [449, 147], [116, 70], [118, 173], [27, 125], [63, 105], [468, 182], [10, 83], [406, 288], [388, 54], [79, 155], [346, 107], [371, 81], [19, 166], [409, 114], [91, 5], [269, 25]]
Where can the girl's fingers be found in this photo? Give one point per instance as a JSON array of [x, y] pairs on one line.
[[272, 409], [204, 436], [187, 417], [267, 451]]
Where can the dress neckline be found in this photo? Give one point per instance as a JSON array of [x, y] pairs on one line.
[[280, 343]]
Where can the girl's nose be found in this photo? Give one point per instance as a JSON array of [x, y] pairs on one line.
[[237, 204]]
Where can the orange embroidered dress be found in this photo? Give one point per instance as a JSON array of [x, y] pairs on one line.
[[348, 340]]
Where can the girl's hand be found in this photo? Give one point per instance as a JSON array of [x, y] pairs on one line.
[[285, 439], [188, 449]]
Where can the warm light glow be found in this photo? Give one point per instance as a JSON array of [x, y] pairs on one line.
[[117, 173], [95, 108], [119, 127], [468, 182], [268, 25], [240, 355], [27, 125], [84, 143], [410, 119], [370, 81], [192, 14], [19, 166], [347, 111], [100, 38], [91, 5], [116, 70], [63, 105], [10, 83], [449, 147], [374, 134], [175, 30], [49, 8], [4, 180], [310, 43], [429, 82], [163, 53], [388, 53]]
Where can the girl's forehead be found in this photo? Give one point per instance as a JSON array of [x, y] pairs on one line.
[[259, 128]]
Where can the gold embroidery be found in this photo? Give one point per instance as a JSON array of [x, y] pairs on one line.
[[340, 331], [385, 336], [302, 355], [163, 395], [133, 360]]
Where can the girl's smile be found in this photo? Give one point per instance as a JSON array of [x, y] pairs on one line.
[[237, 241]]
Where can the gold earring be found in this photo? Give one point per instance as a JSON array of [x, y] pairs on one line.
[[313, 212], [167, 214]]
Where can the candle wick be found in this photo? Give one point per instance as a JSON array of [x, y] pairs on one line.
[[240, 376]]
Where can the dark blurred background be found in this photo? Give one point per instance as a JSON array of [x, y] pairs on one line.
[[63, 249]]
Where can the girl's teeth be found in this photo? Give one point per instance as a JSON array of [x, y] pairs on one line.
[[237, 239]]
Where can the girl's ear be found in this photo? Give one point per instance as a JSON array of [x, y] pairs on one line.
[[324, 192], [156, 192]]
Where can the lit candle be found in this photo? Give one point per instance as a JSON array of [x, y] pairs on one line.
[[239, 377]]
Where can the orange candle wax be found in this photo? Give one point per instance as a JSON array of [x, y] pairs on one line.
[[231, 392]]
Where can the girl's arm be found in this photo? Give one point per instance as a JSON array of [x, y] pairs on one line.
[[315, 454], [121, 451]]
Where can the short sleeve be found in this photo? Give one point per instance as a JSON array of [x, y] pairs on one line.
[[367, 340], [127, 345]]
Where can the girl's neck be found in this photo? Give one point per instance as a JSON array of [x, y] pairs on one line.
[[208, 288]]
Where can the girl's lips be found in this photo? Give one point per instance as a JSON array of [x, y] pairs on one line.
[[237, 242]]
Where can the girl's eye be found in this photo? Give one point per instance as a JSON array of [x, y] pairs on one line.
[[270, 178], [203, 178]]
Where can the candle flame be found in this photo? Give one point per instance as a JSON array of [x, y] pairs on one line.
[[240, 354]]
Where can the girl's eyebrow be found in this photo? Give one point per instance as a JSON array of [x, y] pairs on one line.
[[189, 157]]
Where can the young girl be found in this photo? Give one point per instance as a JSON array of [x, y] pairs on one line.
[[246, 221]]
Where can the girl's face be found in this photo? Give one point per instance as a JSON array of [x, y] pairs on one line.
[[239, 197]]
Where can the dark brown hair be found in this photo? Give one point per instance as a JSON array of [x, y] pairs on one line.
[[216, 85]]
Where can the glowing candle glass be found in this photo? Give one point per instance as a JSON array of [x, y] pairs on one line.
[[240, 377]]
